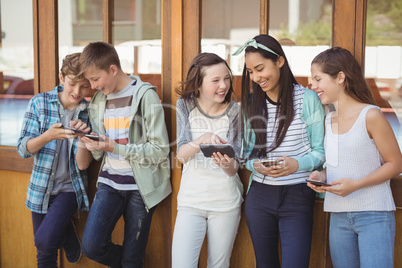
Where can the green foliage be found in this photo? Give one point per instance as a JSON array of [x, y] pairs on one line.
[[384, 26], [395, 13], [384, 23], [312, 33]]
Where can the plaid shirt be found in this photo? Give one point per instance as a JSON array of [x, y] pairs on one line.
[[42, 112]]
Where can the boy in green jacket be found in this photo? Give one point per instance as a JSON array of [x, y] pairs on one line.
[[127, 115]]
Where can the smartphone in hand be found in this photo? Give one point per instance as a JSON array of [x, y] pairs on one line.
[[76, 131], [94, 137], [318, 183], [209, 149], [270, 162]]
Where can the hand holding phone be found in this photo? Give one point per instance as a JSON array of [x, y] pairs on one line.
[[76, 131], [270, 162], [94, 137], [209, 149], [318, 183]]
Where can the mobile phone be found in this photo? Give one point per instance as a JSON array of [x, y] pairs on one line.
[[94, 137], [269, 162], [77, 131], [209, 149], [318, 183]]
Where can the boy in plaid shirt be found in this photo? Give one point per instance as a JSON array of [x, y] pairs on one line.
[[57, 187]]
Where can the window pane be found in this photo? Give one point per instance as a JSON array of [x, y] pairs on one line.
[[226, 25], [137, 38], [16, 67], [383, 61], [303, 27], [80, 22]]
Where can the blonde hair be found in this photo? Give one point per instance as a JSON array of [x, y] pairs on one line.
[[71, 67]]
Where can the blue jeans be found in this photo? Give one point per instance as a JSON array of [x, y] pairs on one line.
[[50, 229], [362, 239], [285, 212], [108, 206]]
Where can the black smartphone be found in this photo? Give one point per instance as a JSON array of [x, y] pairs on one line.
[[94, 137], [209, 149], [270, 162], [77, 131], [318, 183]]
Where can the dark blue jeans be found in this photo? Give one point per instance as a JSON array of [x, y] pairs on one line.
[[50, 229], [108, 206], [284, 212]]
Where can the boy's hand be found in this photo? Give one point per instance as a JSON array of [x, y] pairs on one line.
[[106, 145], [56, 132], [79, 125]]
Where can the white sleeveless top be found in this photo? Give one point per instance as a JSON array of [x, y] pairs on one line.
[[354, 155]]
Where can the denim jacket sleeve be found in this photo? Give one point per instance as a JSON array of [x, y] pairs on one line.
[[313, 115]]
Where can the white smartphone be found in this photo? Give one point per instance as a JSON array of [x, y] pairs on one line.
[[270, 162]]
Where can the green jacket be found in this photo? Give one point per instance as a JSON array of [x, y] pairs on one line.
[[148, 148]]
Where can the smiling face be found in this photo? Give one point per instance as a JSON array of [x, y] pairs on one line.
[[264, 72], [102, 80], [215, 84], [327, 88], [73, 91]]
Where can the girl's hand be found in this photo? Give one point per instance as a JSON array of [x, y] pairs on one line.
[[287, 166], [228, 165], [316, 175], [107, 145], [78, 124], [209, 138], [260, 168], [224, 161], [342, 187]]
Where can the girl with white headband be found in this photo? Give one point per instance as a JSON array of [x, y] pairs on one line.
[[284, 122]]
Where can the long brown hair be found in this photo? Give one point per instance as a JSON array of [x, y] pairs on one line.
[[254, 108], [196, 74], [337, 59]]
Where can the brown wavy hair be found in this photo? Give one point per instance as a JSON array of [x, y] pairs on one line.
[[196, 74], [337, 59], [71, 67]]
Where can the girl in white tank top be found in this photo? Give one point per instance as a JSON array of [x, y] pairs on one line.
[[362, 155]]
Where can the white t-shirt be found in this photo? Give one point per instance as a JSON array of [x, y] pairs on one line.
[[204, 185]]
